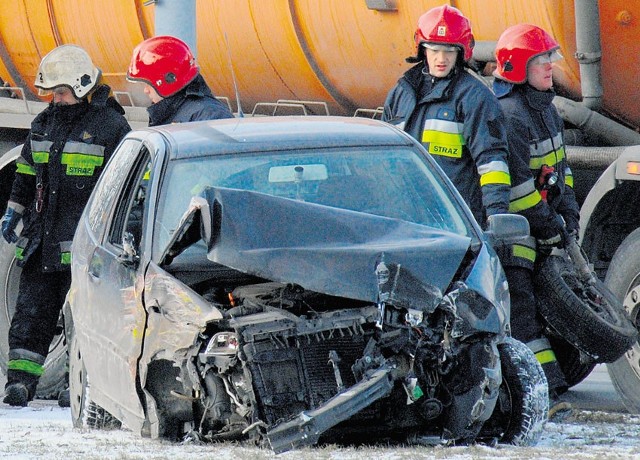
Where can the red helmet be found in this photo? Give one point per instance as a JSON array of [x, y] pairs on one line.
[[164, 62], [517, 46], [445, 25]]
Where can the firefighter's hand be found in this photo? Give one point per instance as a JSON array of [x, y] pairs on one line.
[[559, 240], [553, 242], [9, 223], [573, 226]]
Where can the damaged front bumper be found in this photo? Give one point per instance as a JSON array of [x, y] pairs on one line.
[[305, 429]]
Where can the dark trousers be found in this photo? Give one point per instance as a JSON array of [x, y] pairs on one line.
[[41, 296], [527, 325]]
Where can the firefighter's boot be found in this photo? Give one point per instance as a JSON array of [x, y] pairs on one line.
[[20, 387], [16, 394]]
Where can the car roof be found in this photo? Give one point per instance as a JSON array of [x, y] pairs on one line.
[[251, 134]]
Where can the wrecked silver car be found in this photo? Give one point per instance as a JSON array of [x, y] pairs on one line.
[[292, 281]]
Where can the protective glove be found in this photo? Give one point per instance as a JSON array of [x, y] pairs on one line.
[[561, 237], [572, 226], [9, 223]]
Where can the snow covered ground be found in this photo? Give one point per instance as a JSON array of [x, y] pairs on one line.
[[44, 430]]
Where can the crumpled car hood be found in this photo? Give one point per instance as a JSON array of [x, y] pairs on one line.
[[324, 249]]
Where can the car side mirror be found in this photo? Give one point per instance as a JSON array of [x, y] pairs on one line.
[[503, 229], [129, 256]]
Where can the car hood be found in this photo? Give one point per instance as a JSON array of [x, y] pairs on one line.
[[324, 249]]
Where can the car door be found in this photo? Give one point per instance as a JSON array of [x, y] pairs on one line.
[[114, 285]]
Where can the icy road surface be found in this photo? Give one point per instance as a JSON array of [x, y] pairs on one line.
[[600, 429]]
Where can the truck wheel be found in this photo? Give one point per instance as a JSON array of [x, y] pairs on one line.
[[53, 380], [85, 412], [523, 402], [623, 278], [575, 364], [587, 316]]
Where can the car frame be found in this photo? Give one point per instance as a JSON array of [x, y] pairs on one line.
[[136, 331]]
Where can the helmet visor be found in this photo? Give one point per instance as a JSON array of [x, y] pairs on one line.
[[60, 89], [440, 47], [546, 58]]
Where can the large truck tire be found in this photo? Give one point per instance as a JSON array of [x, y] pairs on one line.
[[523, 402], [589, 316], [54, 378], [623, 279]]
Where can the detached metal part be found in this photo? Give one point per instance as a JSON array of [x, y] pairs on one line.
[[306, 428]]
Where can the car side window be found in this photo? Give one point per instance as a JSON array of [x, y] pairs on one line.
[[129, 212], [109, 185]]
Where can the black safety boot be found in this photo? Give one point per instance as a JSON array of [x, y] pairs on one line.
[[559, 409], [16, 394]]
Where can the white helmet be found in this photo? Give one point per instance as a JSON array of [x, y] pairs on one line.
[[67, 65]]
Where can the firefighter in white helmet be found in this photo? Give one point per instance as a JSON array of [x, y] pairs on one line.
[[67, 148]]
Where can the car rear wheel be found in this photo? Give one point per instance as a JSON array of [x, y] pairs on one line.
[[523, 403], [54, 379], [84, 412]]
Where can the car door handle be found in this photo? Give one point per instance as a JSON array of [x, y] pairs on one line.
[[95, 267]]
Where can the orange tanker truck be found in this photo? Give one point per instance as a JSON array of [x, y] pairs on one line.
[[340, 57]]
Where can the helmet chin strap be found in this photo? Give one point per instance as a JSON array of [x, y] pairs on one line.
[[454, 71]]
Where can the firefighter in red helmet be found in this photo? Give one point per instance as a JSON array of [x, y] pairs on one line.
[[458, 120], [455, 116], [173, 83], [542, 182]]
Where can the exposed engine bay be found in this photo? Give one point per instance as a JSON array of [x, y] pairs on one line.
[[394, 334], [287, 367]]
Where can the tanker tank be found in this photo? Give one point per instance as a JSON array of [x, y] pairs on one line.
[[347, 53]]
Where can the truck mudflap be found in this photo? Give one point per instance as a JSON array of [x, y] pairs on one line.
[[305, 429]]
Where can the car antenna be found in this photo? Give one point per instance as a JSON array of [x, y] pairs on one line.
[[233, 76]]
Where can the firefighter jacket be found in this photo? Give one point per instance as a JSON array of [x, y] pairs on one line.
[[460, 123], [535, 142], [193, 103], [65, 152]]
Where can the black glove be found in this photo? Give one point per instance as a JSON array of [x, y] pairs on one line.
[[559, 239], [9, 223], [572, 226]]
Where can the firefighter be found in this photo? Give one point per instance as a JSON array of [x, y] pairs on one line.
[[542, 183], [66, 149], [453, 113], [173, 83]]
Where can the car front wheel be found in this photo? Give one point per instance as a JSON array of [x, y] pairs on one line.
[[84, 412], [523, 402]]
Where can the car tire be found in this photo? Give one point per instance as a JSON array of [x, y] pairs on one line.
[[54, 378], [523, 403], [623, 279], [84, 412], [599, 328]]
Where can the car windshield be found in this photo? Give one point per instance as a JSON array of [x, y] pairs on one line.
[[390, 182]]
